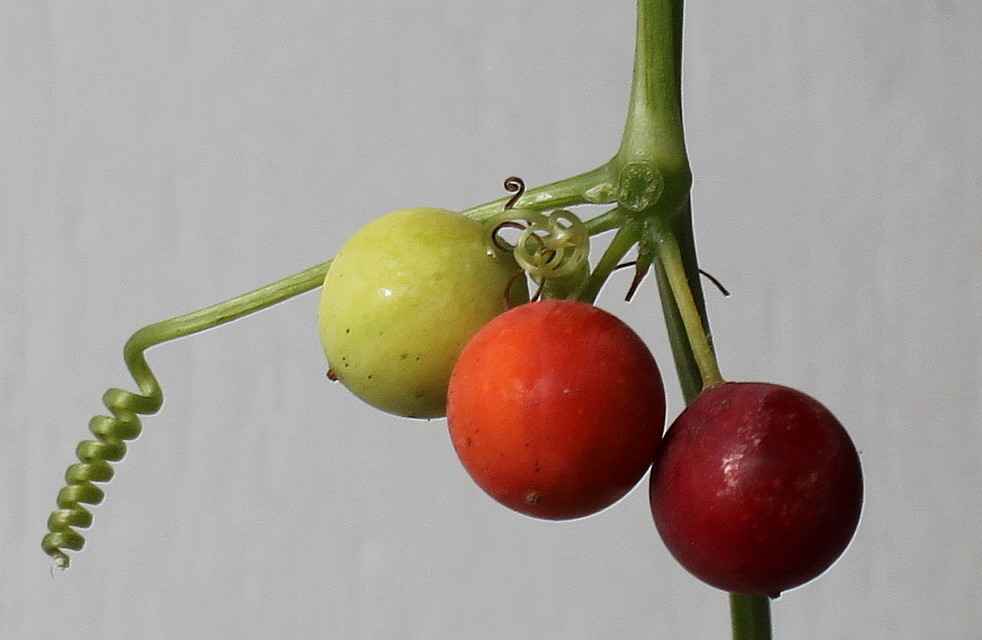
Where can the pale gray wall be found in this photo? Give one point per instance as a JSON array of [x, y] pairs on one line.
[[160, 156]]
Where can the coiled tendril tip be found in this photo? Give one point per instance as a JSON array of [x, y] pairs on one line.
[[93, 466], [550, 246], [125, 407]]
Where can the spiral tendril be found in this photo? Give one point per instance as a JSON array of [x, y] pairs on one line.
[[125, 407], [547, 247], [516, 185]]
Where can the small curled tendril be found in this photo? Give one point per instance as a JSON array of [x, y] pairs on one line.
[[550, 246], [123, 424], [515, 185]]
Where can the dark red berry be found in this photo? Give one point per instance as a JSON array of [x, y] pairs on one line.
[[756, 488]]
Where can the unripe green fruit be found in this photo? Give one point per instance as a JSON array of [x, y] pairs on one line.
[[400, 301]]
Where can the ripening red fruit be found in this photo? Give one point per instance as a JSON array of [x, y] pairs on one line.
[[756, 488], [555, 409]]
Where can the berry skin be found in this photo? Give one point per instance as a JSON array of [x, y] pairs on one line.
[[402, 298], [555, 409], [756, 488]]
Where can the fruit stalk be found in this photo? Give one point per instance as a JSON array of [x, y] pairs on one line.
[[695, 333], [625, 238], [690, 379], [698, 369], [750, 616]]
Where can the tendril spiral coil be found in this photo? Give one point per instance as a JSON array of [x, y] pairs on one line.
[[94, 456], [548, 246], [125, 407]]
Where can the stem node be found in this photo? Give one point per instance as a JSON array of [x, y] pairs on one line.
[[639, 185]]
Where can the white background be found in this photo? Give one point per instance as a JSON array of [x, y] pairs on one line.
[[157, 157]]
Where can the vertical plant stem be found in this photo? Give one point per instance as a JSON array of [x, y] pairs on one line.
[[750, 616], [653, 130], [651, 168], [654, 134]]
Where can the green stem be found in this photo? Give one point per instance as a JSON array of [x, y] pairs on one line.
[[700, 347], [690, 379], [223, 312], [585, 188], [625, 238], [653, 177], [111, 432], [651, 165], [606, 221], [750, 616]]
